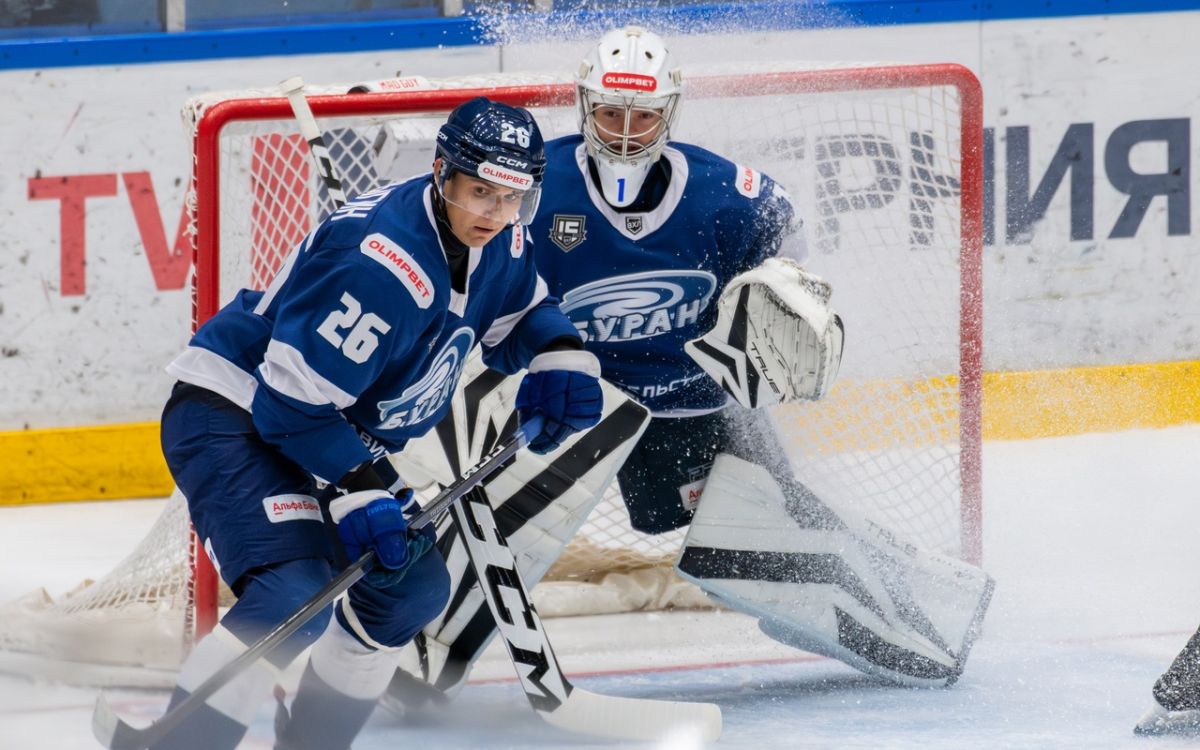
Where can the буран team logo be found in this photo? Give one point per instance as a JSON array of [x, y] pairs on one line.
[[423, 399], [639, 305]]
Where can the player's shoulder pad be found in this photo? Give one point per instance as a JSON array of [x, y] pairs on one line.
[[381, 227], [366, 206], [561, 167], [727, 179], [406, 267]]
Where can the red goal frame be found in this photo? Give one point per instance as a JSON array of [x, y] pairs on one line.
[[206, 239]]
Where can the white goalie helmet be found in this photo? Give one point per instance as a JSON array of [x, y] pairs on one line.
[[628, 95]]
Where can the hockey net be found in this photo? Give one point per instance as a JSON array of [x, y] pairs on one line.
[[884, 165]]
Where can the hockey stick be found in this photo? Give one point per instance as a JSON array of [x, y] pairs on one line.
[[562, 705], [550, 693], [293, 88], [114, 733]]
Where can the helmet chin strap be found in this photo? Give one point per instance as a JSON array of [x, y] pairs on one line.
[[621, 183]]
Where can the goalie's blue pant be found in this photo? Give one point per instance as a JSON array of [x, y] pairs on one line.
[[662, 479]]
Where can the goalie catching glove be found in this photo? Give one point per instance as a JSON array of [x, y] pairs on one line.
[[776, 339]]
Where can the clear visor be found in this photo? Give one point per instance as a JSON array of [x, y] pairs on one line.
[[627, 128], [494, 203]]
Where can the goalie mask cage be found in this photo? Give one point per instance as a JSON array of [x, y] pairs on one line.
[[884, 164]]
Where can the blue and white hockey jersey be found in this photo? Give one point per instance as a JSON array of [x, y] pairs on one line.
[[359, 341], [639, 285]]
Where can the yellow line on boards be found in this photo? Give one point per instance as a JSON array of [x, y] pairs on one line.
[[107, 462], [125, 461], [1053, 403]]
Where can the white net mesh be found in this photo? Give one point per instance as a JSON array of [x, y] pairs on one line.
[[133, 627], [876, 176]]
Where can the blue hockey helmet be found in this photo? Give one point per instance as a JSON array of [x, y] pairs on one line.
[[499, 144]]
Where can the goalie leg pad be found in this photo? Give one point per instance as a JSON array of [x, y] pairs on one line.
[[776, 339], [539, 503], [848, 590]]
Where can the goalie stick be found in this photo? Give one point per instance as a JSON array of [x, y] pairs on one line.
[[116, 734], [293, 89]]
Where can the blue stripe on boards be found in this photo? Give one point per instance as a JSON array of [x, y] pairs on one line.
[[258, 42], [52, 52]]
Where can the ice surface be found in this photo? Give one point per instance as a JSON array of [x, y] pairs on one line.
[[1093, 541]]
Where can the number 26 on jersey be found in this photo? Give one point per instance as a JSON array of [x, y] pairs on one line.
[[352, 331]]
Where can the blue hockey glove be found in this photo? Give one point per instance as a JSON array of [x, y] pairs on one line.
[[374, 519], [563, 388]]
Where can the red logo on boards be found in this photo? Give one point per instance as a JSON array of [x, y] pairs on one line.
[[633, 81], [404, 84]]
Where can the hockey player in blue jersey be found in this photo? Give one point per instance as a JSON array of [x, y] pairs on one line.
[[352, 351], [681, 269]]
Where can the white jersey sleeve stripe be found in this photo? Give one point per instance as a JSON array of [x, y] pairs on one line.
[[502, 326], [210, 370], [285, 371]]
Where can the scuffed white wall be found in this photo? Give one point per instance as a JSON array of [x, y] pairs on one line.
[[84, 342]]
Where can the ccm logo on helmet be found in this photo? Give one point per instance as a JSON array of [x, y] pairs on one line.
[[634, 81], [511, 162], [504, 176]]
